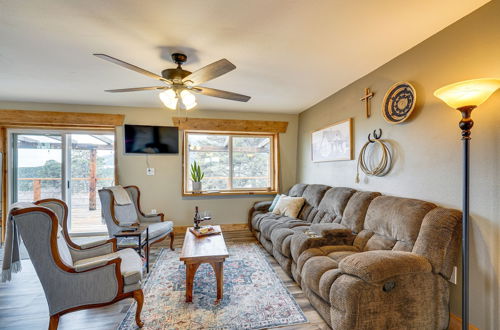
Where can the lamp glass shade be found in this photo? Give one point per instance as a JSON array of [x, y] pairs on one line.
[[188, 99], [169, 99], [468, 92]]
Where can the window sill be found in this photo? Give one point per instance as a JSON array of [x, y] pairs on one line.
[[229, 193]]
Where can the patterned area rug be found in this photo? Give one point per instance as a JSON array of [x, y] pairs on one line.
[[254, 295]]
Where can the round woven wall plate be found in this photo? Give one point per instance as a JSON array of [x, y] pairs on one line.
[[399, 102]]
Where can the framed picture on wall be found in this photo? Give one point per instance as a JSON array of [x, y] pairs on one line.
[[333, 142]]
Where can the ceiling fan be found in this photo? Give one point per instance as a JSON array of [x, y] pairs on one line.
[[179, 83]]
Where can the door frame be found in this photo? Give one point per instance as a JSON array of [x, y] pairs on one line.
[[65, 160]]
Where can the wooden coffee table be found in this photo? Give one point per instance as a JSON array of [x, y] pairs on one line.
[[196, 251]]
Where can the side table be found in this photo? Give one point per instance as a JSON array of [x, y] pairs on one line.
[[141, 243]]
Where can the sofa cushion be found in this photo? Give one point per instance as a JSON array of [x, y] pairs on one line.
[[320, 271], [289, 206], [312, 195], [297, 190], [268, 226], [395, 219], [332, 205], [259, 217], [355, 211]]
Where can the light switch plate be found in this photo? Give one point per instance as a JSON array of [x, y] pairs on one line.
[[150, 171]]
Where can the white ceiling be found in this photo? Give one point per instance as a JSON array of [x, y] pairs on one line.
[[290, 54]]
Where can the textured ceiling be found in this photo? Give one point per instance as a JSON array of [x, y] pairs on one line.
[[290, 54]]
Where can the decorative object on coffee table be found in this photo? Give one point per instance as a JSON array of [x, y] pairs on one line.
[[399, 102], [199, 250], [333, 142], [196, 176], [198, 218], [465, 96]]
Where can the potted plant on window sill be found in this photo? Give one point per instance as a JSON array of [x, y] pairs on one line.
[[196, 177]]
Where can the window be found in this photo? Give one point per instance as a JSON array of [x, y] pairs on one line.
[[239, 163]]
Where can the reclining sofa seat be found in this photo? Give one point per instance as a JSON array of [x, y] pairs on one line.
[[325, 210], [381, 262], [265, 223], [393, 276]]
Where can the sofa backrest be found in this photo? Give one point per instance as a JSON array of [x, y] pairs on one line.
[[297, 190], [332, 205], [312, 194], [392, 223], [439, 239], [355, 211]]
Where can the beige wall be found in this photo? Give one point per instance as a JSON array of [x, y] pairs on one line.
[[163, 191], [428, 147]]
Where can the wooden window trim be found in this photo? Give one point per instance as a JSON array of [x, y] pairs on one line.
[[235, 192], [230, 125]]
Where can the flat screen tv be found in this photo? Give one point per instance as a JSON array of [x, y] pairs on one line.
[[140, 139]]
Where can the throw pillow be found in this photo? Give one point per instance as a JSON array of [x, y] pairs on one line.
[[275, 201], [289, 206]]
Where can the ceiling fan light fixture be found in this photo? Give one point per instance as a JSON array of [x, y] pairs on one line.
[[188, 99], [169, 99]]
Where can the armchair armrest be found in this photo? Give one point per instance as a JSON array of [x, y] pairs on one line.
[[160, 217], [100, 242], [262, 206], [95, 251], [91, 265], [377, 266]]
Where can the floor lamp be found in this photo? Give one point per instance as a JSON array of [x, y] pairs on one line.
[[465, 96]]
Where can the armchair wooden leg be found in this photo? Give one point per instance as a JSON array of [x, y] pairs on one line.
[[54, 322], [171, 240], [139, 298]]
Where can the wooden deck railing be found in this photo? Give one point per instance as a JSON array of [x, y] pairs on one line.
[[37, 187]]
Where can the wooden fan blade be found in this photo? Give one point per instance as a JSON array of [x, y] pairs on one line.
[[210, 72], [220, 94], [130, 66], [136, 89]]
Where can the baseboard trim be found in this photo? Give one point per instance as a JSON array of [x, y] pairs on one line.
[[456, 323], [225, 227]]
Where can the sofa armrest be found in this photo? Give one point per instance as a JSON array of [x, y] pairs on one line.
[[378, 266], [262, 206], [332, 230], [301, 242]]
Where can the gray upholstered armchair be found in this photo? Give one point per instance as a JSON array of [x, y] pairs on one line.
[[119, 217], [75, 277]]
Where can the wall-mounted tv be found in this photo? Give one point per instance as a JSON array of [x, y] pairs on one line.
[[140, 139]]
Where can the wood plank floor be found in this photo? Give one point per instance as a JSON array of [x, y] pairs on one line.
[[23, 304]]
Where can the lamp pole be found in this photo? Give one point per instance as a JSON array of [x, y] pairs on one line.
[[465, 124], [465, 96]]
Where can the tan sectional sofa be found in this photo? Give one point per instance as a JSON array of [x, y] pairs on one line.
[[376, 262]]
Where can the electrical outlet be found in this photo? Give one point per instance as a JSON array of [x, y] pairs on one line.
[[150, 171], [153, 211], [453, 278]]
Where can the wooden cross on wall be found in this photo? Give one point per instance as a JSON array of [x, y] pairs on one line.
[[368, 95]]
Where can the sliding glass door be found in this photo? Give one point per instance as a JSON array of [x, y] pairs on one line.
[[71, 166]]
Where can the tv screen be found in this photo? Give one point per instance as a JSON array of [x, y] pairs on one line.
[[140, 139]]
